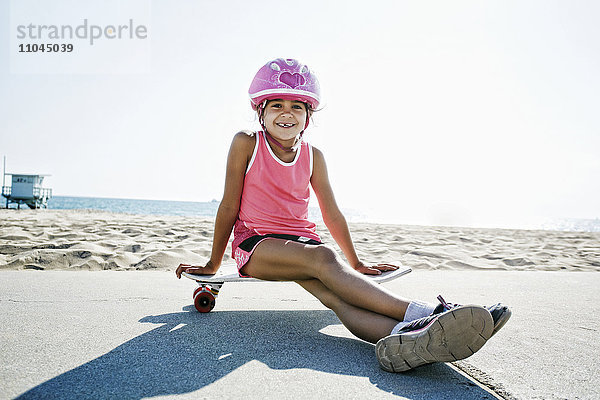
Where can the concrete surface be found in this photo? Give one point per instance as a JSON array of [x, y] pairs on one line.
[[133, 335]]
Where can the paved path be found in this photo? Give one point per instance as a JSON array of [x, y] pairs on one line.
[[130, 335]]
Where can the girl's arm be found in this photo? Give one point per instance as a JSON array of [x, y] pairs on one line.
[[333, 217], [240, 152]]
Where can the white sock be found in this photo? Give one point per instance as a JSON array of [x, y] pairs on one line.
[[418, 309], [415, 310]]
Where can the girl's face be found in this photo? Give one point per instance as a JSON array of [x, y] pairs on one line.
[[285, 119]]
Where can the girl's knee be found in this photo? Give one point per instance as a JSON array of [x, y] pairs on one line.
[[326, 256], [327, 260]]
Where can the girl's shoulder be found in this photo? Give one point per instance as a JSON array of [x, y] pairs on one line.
[[244, 138], [243, 143], [246, 134]]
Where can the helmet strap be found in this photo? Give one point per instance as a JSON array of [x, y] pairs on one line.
[[282, 147]]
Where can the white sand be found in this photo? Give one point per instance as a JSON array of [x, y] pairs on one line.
[[94, 240]]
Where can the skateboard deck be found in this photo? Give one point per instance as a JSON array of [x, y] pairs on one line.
[[209, 285]]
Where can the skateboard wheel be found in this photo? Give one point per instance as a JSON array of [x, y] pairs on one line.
[[204, 301]]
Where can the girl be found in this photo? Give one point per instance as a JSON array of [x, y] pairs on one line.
[[265, 203]]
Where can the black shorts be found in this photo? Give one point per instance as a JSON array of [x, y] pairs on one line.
[[244, 251]]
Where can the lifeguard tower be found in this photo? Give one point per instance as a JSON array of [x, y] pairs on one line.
[[26, 189]]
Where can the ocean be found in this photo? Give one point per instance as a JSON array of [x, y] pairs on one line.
[[209, 210], [132, 206]]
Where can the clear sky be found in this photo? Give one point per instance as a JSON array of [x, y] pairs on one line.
[[481, 113]]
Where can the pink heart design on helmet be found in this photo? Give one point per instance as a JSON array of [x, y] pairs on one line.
[[285, 78], [292, 80]]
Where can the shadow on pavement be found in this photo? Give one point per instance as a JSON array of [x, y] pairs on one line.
[[189, 351]]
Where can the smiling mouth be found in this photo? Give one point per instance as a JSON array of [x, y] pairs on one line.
[[282, 125]]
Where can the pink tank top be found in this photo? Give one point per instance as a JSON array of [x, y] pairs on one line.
[[276, 194]]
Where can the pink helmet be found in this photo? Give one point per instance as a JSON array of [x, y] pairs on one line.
[[285, 79]]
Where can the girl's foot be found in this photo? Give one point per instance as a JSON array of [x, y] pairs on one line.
[[500, 313], [447, 336]]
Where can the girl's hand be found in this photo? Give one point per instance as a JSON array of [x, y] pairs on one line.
[[208, 269], [376, 269]]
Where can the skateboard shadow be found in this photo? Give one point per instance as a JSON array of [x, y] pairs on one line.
[[189, 351]]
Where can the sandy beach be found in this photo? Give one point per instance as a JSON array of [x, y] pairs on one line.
[[95, 240]]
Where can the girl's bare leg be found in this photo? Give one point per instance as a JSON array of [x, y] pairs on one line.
[[282, 260], [366, 325]]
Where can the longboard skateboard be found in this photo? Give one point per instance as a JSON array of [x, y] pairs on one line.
[[206, 293]]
